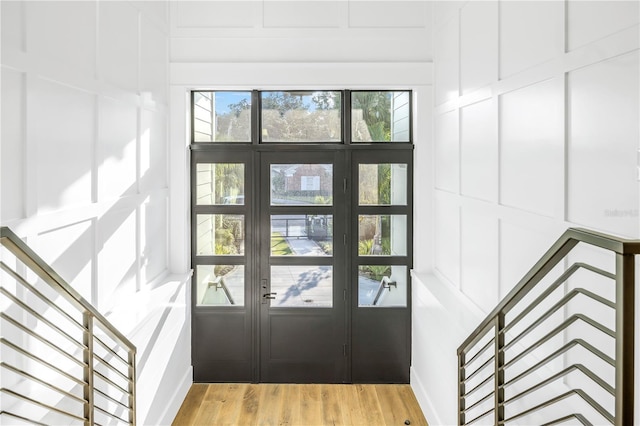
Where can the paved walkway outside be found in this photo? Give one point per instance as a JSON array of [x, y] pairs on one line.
[[294, 285]]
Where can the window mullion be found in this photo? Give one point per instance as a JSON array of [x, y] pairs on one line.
[[346, 121], [256, 125]]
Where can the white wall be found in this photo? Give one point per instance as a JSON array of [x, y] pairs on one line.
[[308, 44], [217, 31], [84, 177], [537, 138], [536, 130]]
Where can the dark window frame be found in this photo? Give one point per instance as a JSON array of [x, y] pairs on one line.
[[350, 153], [345, 118]]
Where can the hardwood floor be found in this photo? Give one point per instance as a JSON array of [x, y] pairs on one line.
[[304, 405]]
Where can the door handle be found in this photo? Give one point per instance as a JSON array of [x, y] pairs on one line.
[[266, 296]]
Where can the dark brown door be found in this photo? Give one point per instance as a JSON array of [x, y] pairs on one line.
[[302, 274]]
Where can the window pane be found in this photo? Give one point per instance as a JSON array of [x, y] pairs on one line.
[[220, 234], [383, 184], [380, 116], [382, 235], [301, 116], [219, 183], [382, 285], [220, 285], [222, 116], [301, 184], [302, 235], [302, 286]]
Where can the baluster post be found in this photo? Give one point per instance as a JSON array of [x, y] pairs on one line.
[[132, 386], [461, 388], [499, 369], [625, 318], [87, 338]]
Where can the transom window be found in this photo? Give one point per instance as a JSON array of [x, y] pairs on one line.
[[303, 116]]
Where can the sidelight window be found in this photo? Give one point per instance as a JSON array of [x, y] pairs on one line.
[[382, 184], [382, 285], [219, 183], [383, 227], [220, 285], [219, 231]]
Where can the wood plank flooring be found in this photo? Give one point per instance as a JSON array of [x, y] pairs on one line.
[[304, 405]]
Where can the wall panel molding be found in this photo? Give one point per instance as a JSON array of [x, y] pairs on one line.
[[300, 75], [614, 45], [301, 31]]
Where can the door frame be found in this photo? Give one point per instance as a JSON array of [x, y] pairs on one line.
[[336, 315], [251, 345]]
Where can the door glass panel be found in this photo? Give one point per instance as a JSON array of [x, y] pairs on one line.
[[302, 286], [382, 235], [222, 116], [220, 285], [380, 116], [302, 116], [301, 184], [219, 183], [301, 235], [383, 184], [220, 234], [382, 285]]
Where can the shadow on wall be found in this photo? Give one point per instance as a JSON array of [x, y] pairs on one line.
[[115, 255]]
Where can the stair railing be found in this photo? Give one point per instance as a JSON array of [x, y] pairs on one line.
[[492, 390], [62, 361]]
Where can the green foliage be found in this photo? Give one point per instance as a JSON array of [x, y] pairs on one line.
[[225, 241], [375, 183], [228, 234], [384, 184], [282, 102], [378, 271], [236, 109], [326, 246], [279, 246], [224, 249], [304, 196], [327, 100], [376, 112], [364, 247], [386, 247], [321, 199], [234, 123], [377, 131], [229, 179]]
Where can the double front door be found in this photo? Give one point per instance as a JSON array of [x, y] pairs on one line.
[[300, 270]]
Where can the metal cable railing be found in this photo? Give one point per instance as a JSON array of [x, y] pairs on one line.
[[560, 346], [62, 362]]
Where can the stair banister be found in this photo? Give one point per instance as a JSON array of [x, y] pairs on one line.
[[495, 326], [107, 356]]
